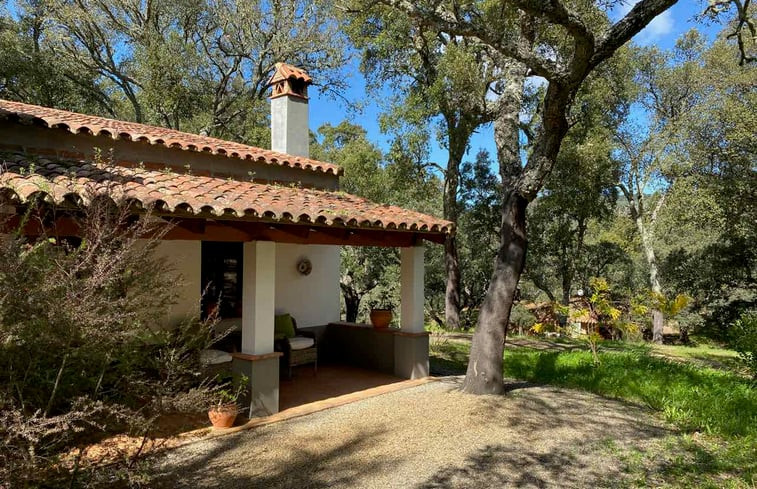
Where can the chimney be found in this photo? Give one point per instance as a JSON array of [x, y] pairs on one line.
[[290, 132]]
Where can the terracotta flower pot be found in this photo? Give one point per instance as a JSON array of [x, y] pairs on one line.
[[380, 318], [223, 416]]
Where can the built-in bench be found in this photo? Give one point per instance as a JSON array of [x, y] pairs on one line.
[[388, 350]]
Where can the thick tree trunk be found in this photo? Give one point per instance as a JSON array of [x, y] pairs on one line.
[[351, 306], [572, 259], [683, 335], [352, 299], [452, 293], [484, 375], [658, 323], [520, 186], [458, 136], [567, 283]]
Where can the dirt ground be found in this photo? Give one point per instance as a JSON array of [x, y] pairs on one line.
[[430, 436]]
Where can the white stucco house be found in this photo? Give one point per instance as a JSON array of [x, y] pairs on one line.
[[243, 219]]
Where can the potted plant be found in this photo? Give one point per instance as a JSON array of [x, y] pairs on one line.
[[381, 310], [225, 408]]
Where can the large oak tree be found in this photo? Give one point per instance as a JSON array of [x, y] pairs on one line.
[[563, 42]]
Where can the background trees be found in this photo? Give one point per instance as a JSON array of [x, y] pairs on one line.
[[713, 260], [436, 77], [198, 66], [564, 44]]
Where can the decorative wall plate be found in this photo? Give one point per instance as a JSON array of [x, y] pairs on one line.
[[304, 266]]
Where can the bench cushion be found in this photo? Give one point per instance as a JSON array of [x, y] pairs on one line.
[[301, 342]]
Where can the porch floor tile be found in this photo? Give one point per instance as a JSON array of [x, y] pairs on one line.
[[331, 381]]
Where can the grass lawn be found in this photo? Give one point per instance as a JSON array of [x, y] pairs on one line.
[[715, 409]]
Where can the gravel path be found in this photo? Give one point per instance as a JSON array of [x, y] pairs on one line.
[[430, 436]]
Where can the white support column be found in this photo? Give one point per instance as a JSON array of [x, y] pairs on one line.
[[258, 295], [412, 300]]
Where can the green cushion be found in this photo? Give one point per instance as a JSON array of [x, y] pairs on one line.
[[283, 326]]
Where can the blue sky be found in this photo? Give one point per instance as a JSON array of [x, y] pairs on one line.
[[662, 32]]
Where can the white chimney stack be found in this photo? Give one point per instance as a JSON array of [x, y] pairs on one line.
[[290, 130]]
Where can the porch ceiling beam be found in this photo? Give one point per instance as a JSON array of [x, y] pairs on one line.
[[229, 230], [300, 232], [209, 231], [237, 230], [38, 226], [195, 226]]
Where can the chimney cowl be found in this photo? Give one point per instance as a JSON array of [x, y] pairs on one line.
[[289, 80]]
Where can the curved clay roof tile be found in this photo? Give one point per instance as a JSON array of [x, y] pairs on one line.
[[81, 123], [21, 176]]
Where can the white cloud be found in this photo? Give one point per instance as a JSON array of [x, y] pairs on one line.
[[661, 26]]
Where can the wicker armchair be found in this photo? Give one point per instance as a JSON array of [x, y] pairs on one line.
[[294, 356]]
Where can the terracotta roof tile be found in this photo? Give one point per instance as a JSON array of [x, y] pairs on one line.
[[23, 176], [100, 126], [285, 71]]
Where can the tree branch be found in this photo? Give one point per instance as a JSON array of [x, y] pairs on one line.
[[622, 31], [446, 21]]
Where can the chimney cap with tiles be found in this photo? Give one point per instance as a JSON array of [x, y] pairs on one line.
[[289, 80]]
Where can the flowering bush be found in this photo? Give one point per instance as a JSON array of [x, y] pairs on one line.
[[81, 348]]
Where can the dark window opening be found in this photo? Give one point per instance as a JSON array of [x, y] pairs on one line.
[[222, 278]]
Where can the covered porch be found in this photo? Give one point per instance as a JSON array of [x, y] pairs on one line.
[[272, 283], [258, 273]]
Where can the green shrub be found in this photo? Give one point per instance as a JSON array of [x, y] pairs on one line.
[[522, 318], [744, 340], [81, 351]]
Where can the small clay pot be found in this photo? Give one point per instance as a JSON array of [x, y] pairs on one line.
[[380, 318], [223, 416]]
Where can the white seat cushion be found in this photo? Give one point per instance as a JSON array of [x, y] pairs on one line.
[[214, 357], [301, 342]]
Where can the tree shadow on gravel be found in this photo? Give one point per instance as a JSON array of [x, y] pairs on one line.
[[538, 409], [225, 465], [501, 466], [565, 434], [511, 385]]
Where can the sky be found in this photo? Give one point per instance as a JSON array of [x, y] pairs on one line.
[[662, 32]]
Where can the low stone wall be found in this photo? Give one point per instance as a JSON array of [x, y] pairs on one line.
[[387, 350]]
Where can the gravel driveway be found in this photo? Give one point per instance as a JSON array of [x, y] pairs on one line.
[[430, 436]]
